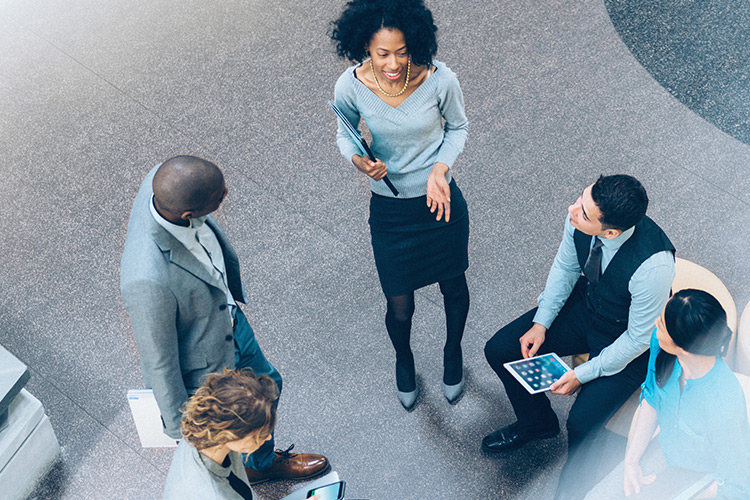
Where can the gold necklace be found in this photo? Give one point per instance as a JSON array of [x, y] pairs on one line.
[[406, 83]]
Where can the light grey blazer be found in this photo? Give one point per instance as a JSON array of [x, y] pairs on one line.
[[177, 309]]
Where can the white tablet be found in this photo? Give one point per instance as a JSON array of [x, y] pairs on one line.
[[538, 373]]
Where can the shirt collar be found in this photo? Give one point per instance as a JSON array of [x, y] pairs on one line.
[[176, 230], [215, 468], [616, 243]]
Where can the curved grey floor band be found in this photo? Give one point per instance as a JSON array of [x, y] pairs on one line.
[[698, 51]]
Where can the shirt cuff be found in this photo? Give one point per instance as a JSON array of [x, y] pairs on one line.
[[544, 317], [586, 372]]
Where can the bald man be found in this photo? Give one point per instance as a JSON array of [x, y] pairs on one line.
[[180, 280]]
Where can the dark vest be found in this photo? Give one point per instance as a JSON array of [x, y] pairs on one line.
[[610, 298]]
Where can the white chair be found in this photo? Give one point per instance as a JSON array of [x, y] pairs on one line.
[[742, 354], [691, 275]]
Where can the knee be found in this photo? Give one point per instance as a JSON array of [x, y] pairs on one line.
[[496, 351], [402, 314], [580, 425], [455, 290], [458, 297], [576, 427]]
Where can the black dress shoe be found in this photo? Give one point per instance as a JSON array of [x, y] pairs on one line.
[[512, 437]]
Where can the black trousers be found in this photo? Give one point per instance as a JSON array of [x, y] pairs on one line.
[[576, 330]]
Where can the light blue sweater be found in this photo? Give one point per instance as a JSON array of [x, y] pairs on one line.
[[410, 138]]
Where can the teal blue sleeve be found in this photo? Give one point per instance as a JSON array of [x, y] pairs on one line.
[[730, 438], [648, 389]]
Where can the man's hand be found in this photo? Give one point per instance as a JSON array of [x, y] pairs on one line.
[[566, 385], [532, 340], [634, 479]]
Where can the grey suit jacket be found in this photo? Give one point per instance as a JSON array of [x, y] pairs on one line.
[[177, 310]]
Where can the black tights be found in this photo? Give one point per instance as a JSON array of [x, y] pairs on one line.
[[398, 323]]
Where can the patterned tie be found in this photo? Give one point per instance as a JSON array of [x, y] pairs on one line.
[[593, 267]]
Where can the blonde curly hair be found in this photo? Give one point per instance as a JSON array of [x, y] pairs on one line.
[[230, 406]]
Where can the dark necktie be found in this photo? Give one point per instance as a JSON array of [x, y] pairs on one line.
[[593, 267], [236, 483], [240, 487]]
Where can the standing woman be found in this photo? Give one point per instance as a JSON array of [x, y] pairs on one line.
[[414, 109]]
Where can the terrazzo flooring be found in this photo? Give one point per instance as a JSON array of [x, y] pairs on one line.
[[95, 93]]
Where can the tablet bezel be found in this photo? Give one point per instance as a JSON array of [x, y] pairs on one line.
[[509, 366]]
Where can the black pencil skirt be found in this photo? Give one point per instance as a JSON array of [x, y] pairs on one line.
[[411, 248]]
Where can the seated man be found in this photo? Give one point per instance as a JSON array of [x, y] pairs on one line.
[[609, 282]]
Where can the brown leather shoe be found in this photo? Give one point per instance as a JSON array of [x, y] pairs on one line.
[[294, 466]]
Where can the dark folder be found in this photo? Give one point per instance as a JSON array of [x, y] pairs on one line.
[[361, 142]]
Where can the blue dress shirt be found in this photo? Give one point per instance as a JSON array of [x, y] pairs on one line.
[[649, 289]]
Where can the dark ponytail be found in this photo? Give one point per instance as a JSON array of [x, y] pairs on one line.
[[697, 323]]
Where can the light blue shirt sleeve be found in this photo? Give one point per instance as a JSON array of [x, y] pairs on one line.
[[649, 289], [561, 280]]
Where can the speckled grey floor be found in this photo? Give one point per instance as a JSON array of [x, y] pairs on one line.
[[94, 93]]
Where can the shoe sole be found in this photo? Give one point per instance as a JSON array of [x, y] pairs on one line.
[[520, 443], [298, 478]]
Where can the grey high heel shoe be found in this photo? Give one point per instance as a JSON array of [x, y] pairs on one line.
[[408, 398], [453, 392]]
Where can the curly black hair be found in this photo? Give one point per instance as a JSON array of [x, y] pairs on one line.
[[361, 19]]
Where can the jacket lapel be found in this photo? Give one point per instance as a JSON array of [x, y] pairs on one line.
[[179, 255], [231, 261]]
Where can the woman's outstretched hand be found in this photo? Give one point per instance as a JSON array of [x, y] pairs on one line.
[[439, 192], [375, 169]]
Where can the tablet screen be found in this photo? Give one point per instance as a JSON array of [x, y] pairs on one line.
[[538, 373]]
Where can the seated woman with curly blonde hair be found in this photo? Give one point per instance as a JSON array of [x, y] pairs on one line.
[[232, 413]]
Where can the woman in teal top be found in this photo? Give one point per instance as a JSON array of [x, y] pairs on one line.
[[694, 398], [413, 107]]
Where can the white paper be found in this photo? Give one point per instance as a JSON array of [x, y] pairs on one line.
[[147, 419]]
